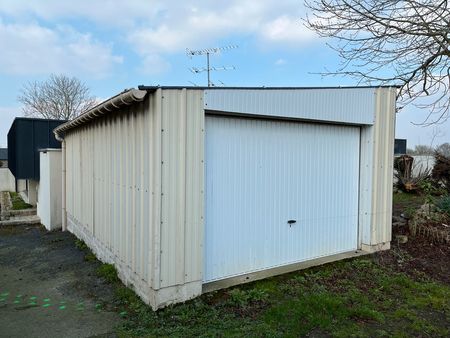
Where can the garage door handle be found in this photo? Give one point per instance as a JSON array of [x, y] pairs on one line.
[[291, 221]]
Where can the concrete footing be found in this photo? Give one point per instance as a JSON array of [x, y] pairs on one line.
[[250, 277]]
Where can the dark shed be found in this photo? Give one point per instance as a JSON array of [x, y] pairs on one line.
[[25, 137], [3, 154], [400, 146]]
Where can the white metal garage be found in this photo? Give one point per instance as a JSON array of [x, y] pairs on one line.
[[264, 175], [187, 190]]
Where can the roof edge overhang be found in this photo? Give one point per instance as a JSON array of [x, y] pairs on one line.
[[125, 98], [154, 88]]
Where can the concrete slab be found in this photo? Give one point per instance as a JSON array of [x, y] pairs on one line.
[[21, 220]]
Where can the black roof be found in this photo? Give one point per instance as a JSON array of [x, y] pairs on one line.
[[3, 153]]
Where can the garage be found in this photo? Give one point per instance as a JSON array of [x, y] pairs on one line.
[[190, 189], [277, 193]]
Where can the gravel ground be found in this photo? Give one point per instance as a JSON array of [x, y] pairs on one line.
[[47, 289]]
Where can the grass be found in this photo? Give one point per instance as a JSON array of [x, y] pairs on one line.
[[404, 197], [360, 297], [108, 272], [17, 202], [355, 298]]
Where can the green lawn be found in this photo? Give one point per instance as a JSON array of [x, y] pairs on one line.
[[404, 197], [17, 202], [354, 298]]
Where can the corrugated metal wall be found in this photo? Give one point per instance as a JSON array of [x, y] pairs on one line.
[[262, 173], [135, 184], [383, 162], [110, 184], [319, 104], [182, 182]]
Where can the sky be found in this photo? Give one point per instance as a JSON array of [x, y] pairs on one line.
[[113, 45]]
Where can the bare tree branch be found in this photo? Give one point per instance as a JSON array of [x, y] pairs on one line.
[[401, 42], [59, 97]]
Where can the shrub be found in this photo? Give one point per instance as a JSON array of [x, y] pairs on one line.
[[443, 204], [406, 180], [441, 170]]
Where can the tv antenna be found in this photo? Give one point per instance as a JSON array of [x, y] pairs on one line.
[[207, 52]]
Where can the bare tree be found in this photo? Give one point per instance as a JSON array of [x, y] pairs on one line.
[[401, 42], [60, 97], [421, 149], [444, 149]]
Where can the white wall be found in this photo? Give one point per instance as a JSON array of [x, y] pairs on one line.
[[28, 190], [7, 181], [422, 163], [49, 206]]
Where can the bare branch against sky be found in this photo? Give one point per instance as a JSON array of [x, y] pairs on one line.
[[60, 97], [402, 42]]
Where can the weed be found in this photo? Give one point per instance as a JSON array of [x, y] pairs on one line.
[[409, 212], [108, 272], [17, 202], [90, 257], [244, 298], [354, 298], [444, 204], [80, 244]]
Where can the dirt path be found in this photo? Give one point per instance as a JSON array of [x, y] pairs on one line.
[[48, 290]]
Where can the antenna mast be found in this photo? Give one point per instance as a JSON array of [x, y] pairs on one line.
[[207, 52]]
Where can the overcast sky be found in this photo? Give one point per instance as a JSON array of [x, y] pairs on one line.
[[113, 45]]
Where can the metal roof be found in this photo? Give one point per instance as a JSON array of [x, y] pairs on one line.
[[153, 88], [129, 96]]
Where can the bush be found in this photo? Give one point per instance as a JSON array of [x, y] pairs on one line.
[[406, 181], [443, 204], [441, 170]]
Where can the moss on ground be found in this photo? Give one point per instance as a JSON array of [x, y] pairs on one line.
[[17, 202]]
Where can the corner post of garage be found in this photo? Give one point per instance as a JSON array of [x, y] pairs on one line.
[[63, 178]]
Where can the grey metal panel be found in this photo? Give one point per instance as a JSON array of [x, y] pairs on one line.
[[182, 187], [376, 171], [340, 105], [259, 175], [383, 162], [110, 185]]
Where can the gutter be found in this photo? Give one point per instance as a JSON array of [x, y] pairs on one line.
[[125, 98]]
